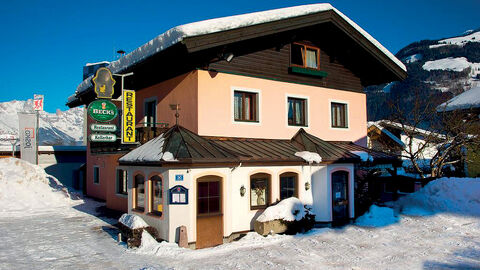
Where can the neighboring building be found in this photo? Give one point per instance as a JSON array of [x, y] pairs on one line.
[[260, 97], [66, 163], [467, 106]]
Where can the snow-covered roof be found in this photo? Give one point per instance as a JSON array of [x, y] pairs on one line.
[[386, 132], [179, 33], [97, 63], [466, 100]]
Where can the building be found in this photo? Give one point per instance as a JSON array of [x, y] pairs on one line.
[[271, 106]]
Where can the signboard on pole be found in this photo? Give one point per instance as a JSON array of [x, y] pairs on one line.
[[104, 83], [38, 102], [27, 129], [128, 118], [102, 110]]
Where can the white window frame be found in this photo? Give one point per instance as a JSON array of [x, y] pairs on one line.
[[98, 174], [145, 101], [347, 114], [232, 105], [307, 111]]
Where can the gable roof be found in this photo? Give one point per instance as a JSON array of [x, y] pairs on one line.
[[247, 26]]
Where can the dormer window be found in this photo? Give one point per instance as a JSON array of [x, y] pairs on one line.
[[305, 56]]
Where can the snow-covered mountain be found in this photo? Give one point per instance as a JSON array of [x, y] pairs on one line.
[[60, 128], [437, 70]]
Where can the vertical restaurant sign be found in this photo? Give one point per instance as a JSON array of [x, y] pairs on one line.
[[27, 126], [128, 117], [38, 102]]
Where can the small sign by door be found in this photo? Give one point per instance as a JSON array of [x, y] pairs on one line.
[[178, 195]]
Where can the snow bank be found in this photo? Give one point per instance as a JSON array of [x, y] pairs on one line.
[[377, 217], [364, 156], [453, 195], [309, 156], [26, 187], [290, 209], [132, 221]]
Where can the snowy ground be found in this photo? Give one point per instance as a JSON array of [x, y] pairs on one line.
[[70, 236]]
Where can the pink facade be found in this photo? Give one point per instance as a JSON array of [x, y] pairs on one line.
[[206, 102]]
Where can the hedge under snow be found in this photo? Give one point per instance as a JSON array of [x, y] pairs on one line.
[[290, 209]]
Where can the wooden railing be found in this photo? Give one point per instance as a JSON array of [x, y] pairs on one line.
[[144, 134]]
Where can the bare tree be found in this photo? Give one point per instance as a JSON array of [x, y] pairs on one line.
[[438, 136]]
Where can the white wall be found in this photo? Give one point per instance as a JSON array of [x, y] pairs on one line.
[[237, 216]]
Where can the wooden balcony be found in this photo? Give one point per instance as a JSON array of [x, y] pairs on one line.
[[145, 134]]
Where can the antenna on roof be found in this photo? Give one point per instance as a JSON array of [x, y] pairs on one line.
[[176, 107], [121, 53]]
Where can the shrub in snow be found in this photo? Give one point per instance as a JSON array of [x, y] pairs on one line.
[[377, 217], [132, 228], [288, 216], [453, 195]]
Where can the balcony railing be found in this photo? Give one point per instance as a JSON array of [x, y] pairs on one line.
[[150, 131]]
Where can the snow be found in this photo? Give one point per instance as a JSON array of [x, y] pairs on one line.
[[388, 87], [178, 33], [458, 41], [466, 100], [149, 152], [452, 195], [450, 63], [66, 237], [97, 63], [290, 209], [309, 157], [364, 156], [27, 188], [413, 58], [386, 132], [377, 217], [167, 156], [132, 221]]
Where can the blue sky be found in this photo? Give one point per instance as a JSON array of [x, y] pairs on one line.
[[45, 43]]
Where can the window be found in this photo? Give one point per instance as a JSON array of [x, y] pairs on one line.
[[156, 195], [297, 110], [259, 191], [122, 182], [305, 56], [96, 175], [139, 192], [150, 113], [208, 197], [288, 185], [245, 106], [339, 115]]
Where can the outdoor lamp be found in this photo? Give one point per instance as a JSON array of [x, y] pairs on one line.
[[242, 190], [307, 186]]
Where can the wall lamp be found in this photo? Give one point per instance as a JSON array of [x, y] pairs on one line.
[[228, 57], [243, 190], [307, 186]]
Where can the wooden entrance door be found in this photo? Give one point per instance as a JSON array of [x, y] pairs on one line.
[[340, 209], [209, 212]]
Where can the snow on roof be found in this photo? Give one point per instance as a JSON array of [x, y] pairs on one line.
[[466, 100], [178, 33], [97, 63], [310, 157], [413, 129], [387, 132], [149, 152], [364, 156]]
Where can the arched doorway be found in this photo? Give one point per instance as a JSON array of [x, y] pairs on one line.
[[209, 211], [340, 203]]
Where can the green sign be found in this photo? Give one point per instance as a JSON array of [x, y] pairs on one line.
[[96, 137], [102, 110]]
